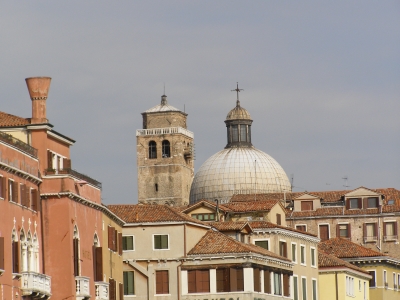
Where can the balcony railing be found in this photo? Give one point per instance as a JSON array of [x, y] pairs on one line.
[[75, 174], [37, 284], [16, 143], [168, 130], [101, 290], [82, 287]]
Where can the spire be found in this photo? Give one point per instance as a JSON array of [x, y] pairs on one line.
[[237, 90], [164, 100]]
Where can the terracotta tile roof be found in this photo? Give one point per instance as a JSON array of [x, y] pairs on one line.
[[7, 120], [145, 213], [262, 205], [205, 202], [341, 211], [230, 225], [328, 261], [325, 196], [343, 248], [214, 242], [264, 224]]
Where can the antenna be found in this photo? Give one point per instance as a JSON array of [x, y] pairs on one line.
[[164, 88], [184, 108], [255, 182], [291, 181], [345, 178]]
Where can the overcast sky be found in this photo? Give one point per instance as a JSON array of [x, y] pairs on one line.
[[321, 81]]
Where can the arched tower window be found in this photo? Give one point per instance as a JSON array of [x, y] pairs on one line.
[[75, 245], [166, 149], [152, 149]]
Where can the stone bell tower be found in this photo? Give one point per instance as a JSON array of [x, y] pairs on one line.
[[165, 153]]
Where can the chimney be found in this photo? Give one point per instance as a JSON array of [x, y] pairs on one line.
[[38, 88]]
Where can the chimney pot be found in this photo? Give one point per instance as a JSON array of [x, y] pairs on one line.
[[38, 88]]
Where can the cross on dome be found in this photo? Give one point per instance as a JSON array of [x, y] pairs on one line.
[[237, 90]]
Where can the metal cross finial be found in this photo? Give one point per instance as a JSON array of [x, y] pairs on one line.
[[237, 90]]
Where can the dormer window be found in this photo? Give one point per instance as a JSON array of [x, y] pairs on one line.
[[354, 203], [372, 202], [306, 205]]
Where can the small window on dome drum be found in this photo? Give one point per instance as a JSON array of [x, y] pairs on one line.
[[235, 135], [243, 133]]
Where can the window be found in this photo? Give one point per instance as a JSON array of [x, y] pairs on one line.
[[257, 281], [262, 244], [3, 185], [1, 254], [152, 150], [278, 219], [161, 242], [295, 288], [15, 252], [304, 287], [302, 254], [349, 286], [127, 243], [267, 282], [385, 282], [243, 133], [314, 289], [301, 227], [283, 249], [354, 203], [112, 289], [391, 202], [235, 137], [76, 256], [286, 286], [294, 252], [343, 231], [313, 261], [113, 239], [372, 202], [204, 217], [166, 149], [306, 205], [394, 281], [390, 231], [372, 282], [129, 283], [230, 280], [324, 232], [199, 281], [398, 281], [277, 284], [156, 187], [370, 232], [162, 282]]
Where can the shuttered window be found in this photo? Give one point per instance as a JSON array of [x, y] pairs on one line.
[[162, 282], [49, 160], [120, 243], [15, 192], [230, 280], [10, 190], [15, 257], [111, 238], [113, 289], [277, 284], [199, 281], [257, 283], [160, 241], [306, 205], [35, 200], [129, 283], [286, 287], [223, 280], [121, 291], [343, 231], [267, 282], [75, 245], [3, 187], [283, 249], [1, 253], [278, 219], [98, 263]]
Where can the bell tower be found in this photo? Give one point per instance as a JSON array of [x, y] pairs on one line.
[[165, 156]]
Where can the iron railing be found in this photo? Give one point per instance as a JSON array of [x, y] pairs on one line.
[[16, 143]]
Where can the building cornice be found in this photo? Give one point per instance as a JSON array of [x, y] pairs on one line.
[[346, 270], [373, 260], [86, 202], [165, 223], [288, 233]]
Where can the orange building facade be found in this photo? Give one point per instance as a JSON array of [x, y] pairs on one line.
[[51, 216]]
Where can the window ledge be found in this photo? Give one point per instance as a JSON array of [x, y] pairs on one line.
[[1, 272], [16, 275], [162, 295]]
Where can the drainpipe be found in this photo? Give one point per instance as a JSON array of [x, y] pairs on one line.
[[42, 230], [178, 275], [336, 283], [216, 200]]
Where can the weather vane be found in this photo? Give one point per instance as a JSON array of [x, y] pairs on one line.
[[237, 90]]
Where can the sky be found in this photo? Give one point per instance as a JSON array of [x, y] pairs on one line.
[[321, 81]]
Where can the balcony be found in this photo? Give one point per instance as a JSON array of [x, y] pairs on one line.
[[16, 143], [82, 287], [168, 130], [101, 290], [390, 238], [35, 284], [75, 174]]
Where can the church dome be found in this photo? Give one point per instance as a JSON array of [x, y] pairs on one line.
[[240, 168], [238, 113]]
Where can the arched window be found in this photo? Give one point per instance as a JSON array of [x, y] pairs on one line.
[[75, 243], [152, 149], [15, 252], [97, 259], [166, 149], [35, 247], [24, 251]]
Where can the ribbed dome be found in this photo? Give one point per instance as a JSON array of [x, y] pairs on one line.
[[238, 170], [238, 113]]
